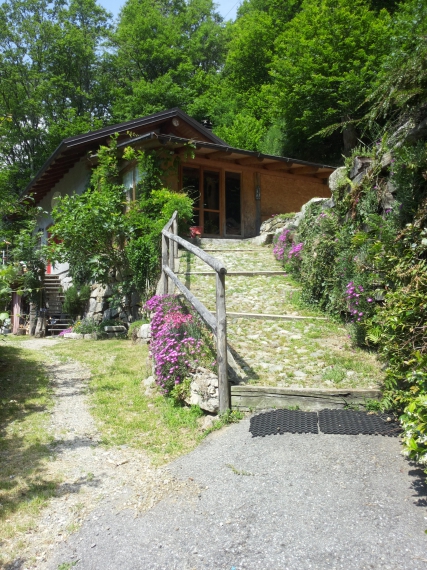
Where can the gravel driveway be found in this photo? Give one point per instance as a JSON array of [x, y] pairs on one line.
[[280, 502]]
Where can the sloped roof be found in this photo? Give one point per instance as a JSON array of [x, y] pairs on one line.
[[172, 128], [72, 149]]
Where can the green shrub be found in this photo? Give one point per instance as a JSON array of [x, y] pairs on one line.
[[75, 300], [133, 329], [87, 326]]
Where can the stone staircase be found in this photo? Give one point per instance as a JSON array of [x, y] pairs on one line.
[[54, 298], [280, 345]]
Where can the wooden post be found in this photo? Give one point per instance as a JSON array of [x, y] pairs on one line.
[[171, 285], [165, 260], [175, 245], [257, 202], [221, 336]]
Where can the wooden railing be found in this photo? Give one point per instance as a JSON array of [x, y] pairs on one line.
[[217, 323]]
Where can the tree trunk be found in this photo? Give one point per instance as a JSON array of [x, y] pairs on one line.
[[33, 319]]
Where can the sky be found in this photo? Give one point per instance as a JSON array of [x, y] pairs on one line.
[[227, 8]]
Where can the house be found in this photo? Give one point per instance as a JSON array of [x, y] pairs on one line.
[[235, 190]]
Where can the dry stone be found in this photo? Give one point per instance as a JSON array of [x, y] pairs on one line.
[[204, 390], [144, 331]]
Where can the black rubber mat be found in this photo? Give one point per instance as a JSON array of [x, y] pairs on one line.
[[344, 422], [281, 421], [350, 422]]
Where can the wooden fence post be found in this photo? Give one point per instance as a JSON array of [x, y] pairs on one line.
[[171, 285], [165, 259], [221, 337], [175, 245]]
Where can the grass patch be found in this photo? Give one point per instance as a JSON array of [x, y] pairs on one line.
[[25, 401], [128, 413]]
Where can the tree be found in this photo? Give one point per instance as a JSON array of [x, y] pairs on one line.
[[400, 92], [165, 52], [51, 82], [106, 239], [326, 61]]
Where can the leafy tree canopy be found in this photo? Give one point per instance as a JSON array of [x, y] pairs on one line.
[[326, 61]]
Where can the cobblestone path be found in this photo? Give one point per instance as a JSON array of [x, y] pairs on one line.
[[289, 353]]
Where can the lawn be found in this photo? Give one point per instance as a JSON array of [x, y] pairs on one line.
[[25, 402], [126, 410]]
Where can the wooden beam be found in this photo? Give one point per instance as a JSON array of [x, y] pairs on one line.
[[306, 170], [278, 166], [323, 174], [250, 160], [219, 154], [231, 167]]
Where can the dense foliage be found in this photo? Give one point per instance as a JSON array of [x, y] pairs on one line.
[[365, 260], [307, 78], [109, 240]]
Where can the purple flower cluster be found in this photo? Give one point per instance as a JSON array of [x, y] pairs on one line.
[[355, 295], [295, 250], [172, 347], [283, 243], [65, 331]]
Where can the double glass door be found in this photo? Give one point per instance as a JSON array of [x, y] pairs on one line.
[[216, 196]]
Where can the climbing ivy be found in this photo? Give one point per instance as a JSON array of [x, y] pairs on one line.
[[107, 239]]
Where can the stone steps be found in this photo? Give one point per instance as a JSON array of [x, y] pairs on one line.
[[280, 345]]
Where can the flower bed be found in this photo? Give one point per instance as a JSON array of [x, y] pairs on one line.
[[180, 343]]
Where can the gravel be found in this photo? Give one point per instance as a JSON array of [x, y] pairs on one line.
[[281, 502]]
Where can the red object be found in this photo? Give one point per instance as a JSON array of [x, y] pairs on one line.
[[196, 231]]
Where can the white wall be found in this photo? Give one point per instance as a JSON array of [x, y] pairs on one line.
[[76, 181]]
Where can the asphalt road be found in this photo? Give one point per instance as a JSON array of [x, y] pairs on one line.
[[280, 502]]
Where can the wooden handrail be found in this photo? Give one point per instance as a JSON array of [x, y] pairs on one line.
[[211, 261], [217, 323]]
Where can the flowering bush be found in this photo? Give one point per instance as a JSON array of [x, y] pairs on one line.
[[66, 331], [282, 245], [414, 422], [180, 342]]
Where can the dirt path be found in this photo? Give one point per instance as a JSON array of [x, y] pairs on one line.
[[88, 472]]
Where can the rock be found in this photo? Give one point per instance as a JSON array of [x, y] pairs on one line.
[[391, 188], [90, 336], [95, 306], [204, 390], [144, 331], [359, 179], [74, 336], [149, 381], [387, 201], [337, 178], [263, 239], [118, 329], [360, 165], [299, 374], [386, 160], [206, 422], [111, 313]]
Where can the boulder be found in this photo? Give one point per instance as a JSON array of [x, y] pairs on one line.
[[95, 306], [263, 239], [204, 390], [119, 329], [337, 178], [144, 331], [360, 164]]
